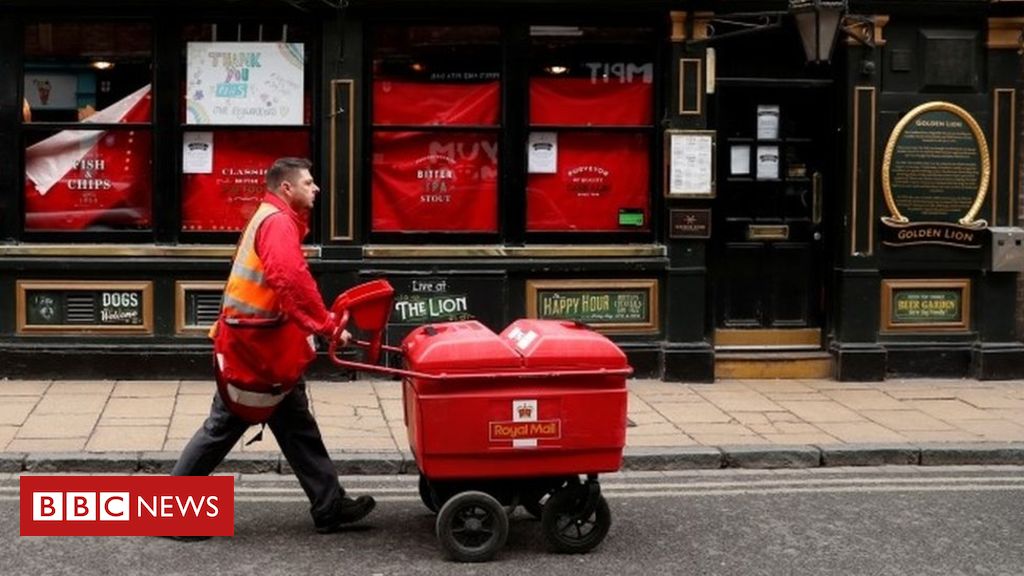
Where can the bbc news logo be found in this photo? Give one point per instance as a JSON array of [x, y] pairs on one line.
[[117, 506], [127, 505]]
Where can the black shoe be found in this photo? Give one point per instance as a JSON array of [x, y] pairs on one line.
[[346, 512], [187, 538]]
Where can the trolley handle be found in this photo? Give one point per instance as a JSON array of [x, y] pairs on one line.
[[332, 349], [332, 353]]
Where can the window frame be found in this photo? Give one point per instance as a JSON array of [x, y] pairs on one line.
[[311, 87], [25, 128], [167, 125], [514, 128]]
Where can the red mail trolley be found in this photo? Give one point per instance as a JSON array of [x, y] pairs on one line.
[[526, 417]]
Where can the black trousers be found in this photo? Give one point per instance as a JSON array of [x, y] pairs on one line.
[[297, 434]]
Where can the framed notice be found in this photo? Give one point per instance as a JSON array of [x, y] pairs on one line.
[[608, 306], [690, 163], [75, 306], [926, 305]]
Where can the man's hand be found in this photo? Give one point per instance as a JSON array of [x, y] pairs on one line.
[[334, 332]]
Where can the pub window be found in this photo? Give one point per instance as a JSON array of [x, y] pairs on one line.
[[590, 120], [576, 123], [436, 129], [245, 102], [87, 114]]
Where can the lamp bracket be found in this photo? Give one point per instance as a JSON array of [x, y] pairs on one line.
[[308, 5], [860, 28], [737, 24]]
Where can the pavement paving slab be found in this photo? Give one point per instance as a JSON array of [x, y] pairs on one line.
[[141, 426]]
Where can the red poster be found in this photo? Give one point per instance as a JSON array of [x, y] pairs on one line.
[[446, 103], [225, 199], [435, 181], [93, 179], [585, 102], [599, 175]]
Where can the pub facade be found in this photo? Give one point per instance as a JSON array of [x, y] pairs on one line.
[[726, 189]]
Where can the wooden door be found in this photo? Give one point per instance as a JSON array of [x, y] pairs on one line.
[[777, 143]]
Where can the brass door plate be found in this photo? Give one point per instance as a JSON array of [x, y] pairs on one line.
[[768, 232]]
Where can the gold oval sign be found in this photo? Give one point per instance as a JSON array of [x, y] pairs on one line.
[[936, 167]]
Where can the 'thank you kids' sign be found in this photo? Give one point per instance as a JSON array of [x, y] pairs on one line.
[[245, 83]]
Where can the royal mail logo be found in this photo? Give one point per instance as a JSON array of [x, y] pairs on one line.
[[127, 506], [525, 411], [538, 430]]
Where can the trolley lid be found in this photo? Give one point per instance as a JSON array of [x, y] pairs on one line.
[[560, 344], [466, 346]]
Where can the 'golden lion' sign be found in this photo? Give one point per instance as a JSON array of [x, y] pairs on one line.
[[935, 175]]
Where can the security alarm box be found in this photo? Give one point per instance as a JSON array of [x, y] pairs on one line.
[[1007, 249]]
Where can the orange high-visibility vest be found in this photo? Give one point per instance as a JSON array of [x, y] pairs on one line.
[[246, 294], [260, 354]]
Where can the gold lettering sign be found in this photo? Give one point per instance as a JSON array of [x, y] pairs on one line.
[[609, 306], [926, 305], [83, 306]]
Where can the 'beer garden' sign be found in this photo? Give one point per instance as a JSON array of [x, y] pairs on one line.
[[926, 305]]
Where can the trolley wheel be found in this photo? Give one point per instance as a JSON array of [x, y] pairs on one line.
[[472, 527], [566, 531], [427, 494]]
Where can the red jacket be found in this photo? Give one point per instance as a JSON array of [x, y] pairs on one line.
[[279, 246]]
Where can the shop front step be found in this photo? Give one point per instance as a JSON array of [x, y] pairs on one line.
[[773, 364]]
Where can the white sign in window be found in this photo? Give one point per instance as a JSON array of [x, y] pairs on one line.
[[767, 162], [250, 83], [197, 153], [739, 160], [543, 153], [767, 122]]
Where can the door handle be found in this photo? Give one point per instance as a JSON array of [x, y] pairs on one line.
[[816, 198]]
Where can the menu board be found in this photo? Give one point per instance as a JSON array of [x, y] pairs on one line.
[[690, 158]]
